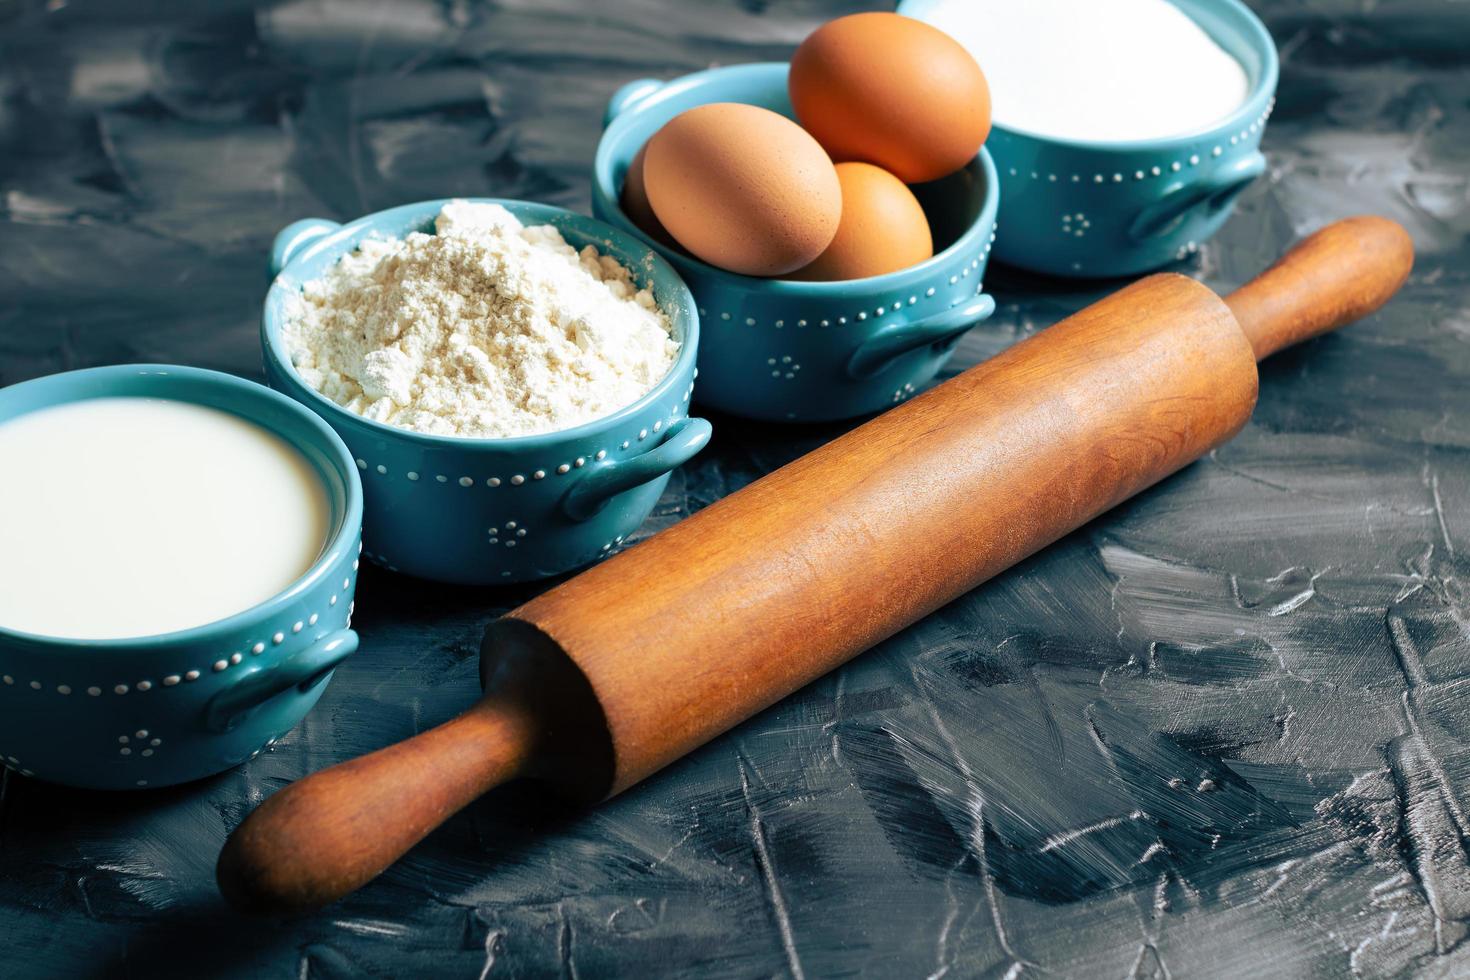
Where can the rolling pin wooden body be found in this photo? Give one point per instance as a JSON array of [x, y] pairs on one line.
[[608, 677]]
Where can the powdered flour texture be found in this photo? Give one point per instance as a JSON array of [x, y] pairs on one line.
[[486, 328]]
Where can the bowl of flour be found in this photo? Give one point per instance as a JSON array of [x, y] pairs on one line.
[[513, 379], [1123, 131]]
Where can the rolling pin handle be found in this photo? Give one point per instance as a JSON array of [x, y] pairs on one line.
[[332, 832], [1332, 277]]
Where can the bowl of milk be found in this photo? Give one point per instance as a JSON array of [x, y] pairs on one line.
[[1123, 131], [180, 551]]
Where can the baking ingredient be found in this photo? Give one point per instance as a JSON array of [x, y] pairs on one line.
[[891, 91], [883, 228], [1084, 70], [127, 517], [485, 329], [634, 201], [743, 188]]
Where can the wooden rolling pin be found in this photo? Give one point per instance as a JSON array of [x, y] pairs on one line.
[[608, 677]]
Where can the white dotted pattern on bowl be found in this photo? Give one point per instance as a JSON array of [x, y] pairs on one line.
[[507, 534], [1075, 224], [783, 366], [147, 746], [561, 468], [145, 743], [1174, 166], [862, 316], [220, 665]]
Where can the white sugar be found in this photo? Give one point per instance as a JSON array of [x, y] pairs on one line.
[[1097, 70]]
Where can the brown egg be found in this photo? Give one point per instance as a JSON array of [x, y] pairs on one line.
[[892, 91], [883, 228], [635, 201], [743, 188]]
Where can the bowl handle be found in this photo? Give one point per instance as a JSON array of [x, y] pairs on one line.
[[296, 236], [625, 97], [1215, 192], [607, 479], [888, 342], [301, 670]]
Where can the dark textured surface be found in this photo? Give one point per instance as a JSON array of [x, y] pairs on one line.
[[1223, 731]]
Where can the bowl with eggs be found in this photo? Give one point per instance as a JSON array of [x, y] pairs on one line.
[[1123, 132], [544, 399], [831, 290], [190, 614]]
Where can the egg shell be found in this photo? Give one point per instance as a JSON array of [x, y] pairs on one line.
[[891, 91], [883, 228], [743, 188], [634, 201]]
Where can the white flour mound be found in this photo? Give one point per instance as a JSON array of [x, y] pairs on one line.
[[485, 329]]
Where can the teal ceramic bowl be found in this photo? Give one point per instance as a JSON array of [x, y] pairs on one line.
[[781, 350], [159, 710], [1083, 208], [486, 511]]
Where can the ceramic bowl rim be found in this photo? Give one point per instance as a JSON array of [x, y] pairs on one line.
[[332, 548], [981, 227], [626, 245], [1263, 88]]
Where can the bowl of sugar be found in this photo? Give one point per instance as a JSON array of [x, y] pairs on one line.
[[512, 379], [180, 558], [1123, 131]]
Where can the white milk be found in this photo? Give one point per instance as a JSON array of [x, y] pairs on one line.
[[124, 517], [1102, 70]]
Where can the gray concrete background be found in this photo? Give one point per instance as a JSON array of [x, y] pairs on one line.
[[1223, 731]]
